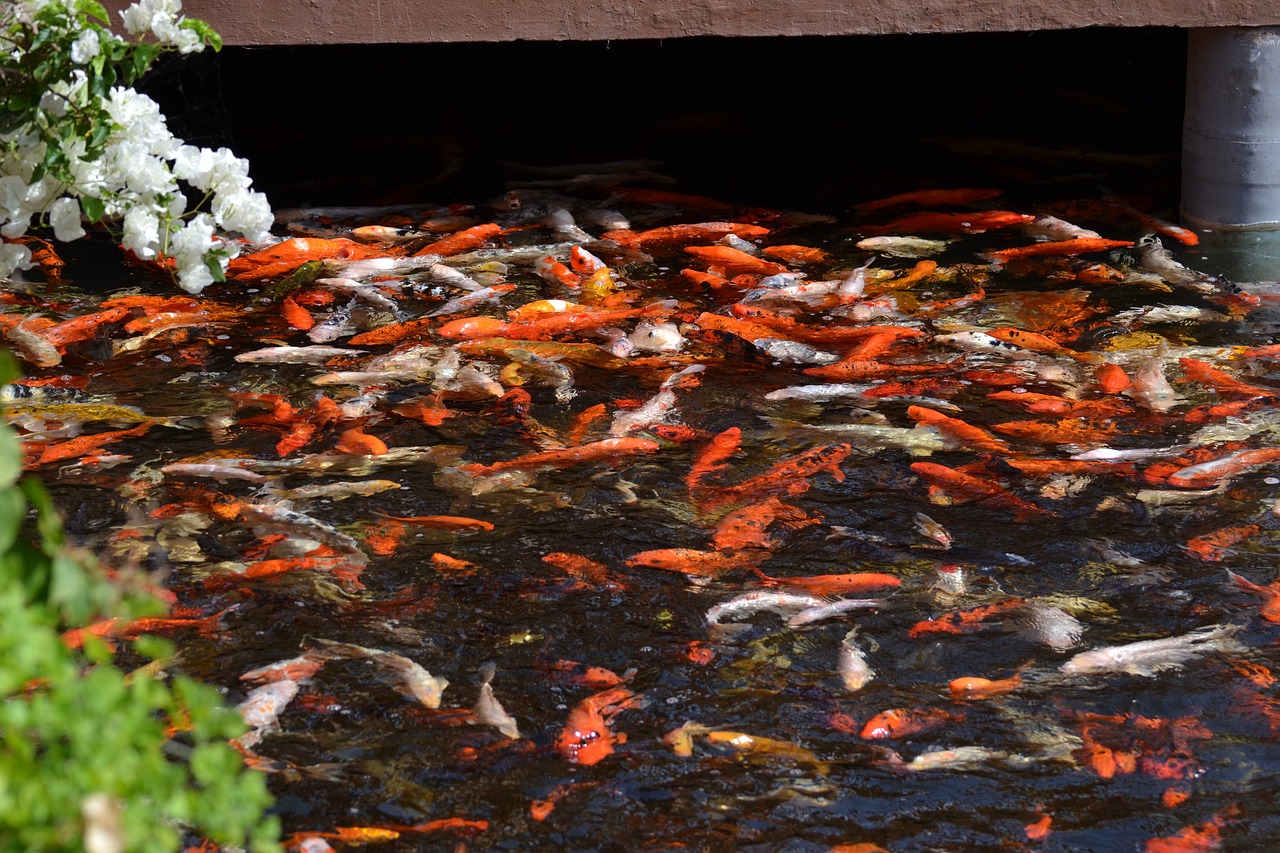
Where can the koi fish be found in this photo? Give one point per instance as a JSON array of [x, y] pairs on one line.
[[844, 584], [959, 431], [950, 223], [964, 621], [587, 738], [87, 444], [832, 608], [441, 522], [959, 758], [970, 487], [296, 669], [1148, 657], [263, 706], [1205, 475], [851, 664], [972, 687], [489, 710], [1212, 546], [929, 198], [1074, 246], [605, 449], [789, 476], [750, 603], [746, 527], [416, 682], [771, 747], [904, 722], [698, 564], [1271, 594], [734, 261], [904, 247], [1204, 373]]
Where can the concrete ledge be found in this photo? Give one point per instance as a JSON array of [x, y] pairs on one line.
[[293, 22]]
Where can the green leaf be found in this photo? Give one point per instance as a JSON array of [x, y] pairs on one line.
[[10, 457], [94, 208], [215, 269], [207, 33], [13, 512], [97, 10]]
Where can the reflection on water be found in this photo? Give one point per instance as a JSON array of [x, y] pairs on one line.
[[1025, 504]]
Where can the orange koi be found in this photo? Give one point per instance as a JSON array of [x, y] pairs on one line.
[[1175, 795], [861, 370], [1270, 593], [584, 570], [698, 564], [1076, 246], [687, 233], [453, 564], [1067, 431], [1036, 342], [384, 538], [796, 254], [1111, 378], [552, 271], [82, 328], [394, 333], [747, 527], [87, 444], [846, 584], [295, 315], [355, 441], [976, 489], [711, 458], [116, 629], [1200, 838], [1207, 474], [561, 323], [958, 430], [915, 275], [1204, 373], [298, 436], [789, 476], [1039, 830], [950, 223], [1053, 467], [286, 256], [44, 256], [582, 422], [972, 687], [928, 198], [1212, 547], [605, 449], [1258, 674], [574, 672], [461, 241], [903, 722], [266, 569], [734, 261], [587, 738], [966, 620], [440, 522]]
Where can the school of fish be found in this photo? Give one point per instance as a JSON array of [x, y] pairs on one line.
[[673, 518]]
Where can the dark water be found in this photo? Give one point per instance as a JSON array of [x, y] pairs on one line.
[[351, 751]]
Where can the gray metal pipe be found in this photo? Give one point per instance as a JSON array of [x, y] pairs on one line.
[[1231, 129]]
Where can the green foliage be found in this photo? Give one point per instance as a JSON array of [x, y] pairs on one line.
[[73, 725]]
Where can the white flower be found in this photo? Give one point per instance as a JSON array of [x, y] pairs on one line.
[[141, 232], [85, 47], [64, 216], [13, 256], [244, 211]]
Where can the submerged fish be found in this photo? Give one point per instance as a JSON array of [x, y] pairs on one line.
[[1147, 657]]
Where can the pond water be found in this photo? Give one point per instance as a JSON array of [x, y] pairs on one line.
[[1006, 502]]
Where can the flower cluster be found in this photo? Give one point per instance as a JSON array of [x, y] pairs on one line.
[[78, 141]]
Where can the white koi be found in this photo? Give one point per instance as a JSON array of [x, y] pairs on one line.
[[851, 664], [416, 682], [489, 710], [1147, 657]]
